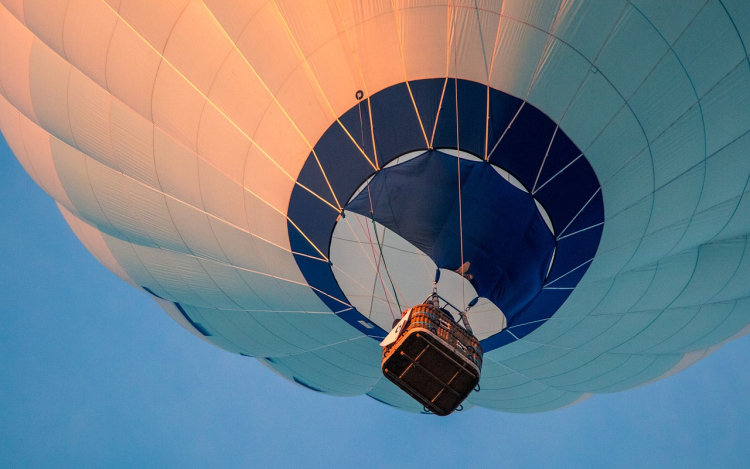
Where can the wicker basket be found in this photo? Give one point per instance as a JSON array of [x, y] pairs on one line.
[[434, 359]]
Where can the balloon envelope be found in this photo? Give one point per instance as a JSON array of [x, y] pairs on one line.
[[221, 156]]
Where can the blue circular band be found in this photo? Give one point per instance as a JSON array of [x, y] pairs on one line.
[[519, 139]]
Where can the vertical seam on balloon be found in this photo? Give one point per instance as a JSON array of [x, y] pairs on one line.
[[109, 119], [718, 325], [403, 66], [537, 71], [192, 254], [345, 384], [156, 173], [205, 212], [489, 81], [33, 38], [739, 264], [86, 241], [496, 45], [164, 60], [364, 83], [481, 39], [2, 88], [545, 51], [625, 103], [569, 351], [747, 59], [599, 352], [270, 330], [131, 246], [449, 31], [234, 124], [256, 342], [703, 122], [334, 365], [603, 389], [675, 333], [592, 62], [661, 310], [273, 97], [203, 202], [214, 331], [460, 204], [137, 216], [688, 170], [127, 194], [158, 52], [731, 277], [515, 371], [62, 32], [67, 106], [437, 116], [86, 161], [153, 133], [35, 174], [96, 198], [106, 56], [289, 32]]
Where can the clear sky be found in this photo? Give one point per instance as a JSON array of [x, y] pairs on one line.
[[94, 374]]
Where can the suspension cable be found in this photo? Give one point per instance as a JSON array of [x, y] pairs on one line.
[[460, 208], [387, 273], [377, 268], [380, 247]]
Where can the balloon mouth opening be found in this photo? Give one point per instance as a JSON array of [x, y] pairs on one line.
[[545, 182], [493, 240]]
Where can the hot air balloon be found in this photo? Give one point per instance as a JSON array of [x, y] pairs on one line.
[[284, 177]]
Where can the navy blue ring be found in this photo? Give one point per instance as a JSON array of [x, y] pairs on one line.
[[572, 198]]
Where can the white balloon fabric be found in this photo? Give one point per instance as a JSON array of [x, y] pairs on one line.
[[211, 153]]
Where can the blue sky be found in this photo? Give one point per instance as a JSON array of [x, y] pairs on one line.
[[94, 374]]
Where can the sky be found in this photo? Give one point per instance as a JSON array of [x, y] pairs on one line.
[[94, 374]]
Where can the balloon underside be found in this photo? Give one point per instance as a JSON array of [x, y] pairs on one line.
[[204, 150]]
